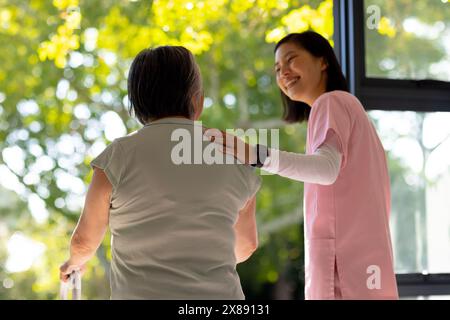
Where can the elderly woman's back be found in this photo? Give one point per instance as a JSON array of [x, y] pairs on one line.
[[172, 225], [177, 229]]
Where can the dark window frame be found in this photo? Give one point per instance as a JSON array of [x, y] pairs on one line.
[[417, 284], [387, 95]]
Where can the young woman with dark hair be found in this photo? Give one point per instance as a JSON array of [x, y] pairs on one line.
[[348, 251]]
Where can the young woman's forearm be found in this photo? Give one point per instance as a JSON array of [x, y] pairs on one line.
[[322, 167]]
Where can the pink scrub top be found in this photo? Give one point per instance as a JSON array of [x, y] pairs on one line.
[[348, 250]]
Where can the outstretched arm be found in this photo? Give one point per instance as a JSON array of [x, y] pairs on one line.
[[91, 226], [322, 167], [246, 232]]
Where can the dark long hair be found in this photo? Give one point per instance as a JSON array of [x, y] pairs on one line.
[[162, 82], [319, 47]]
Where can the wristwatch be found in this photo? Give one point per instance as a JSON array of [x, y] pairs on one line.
[[261, 155]]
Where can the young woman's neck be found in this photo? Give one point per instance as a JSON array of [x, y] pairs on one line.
[[313, 97], [320, 90]]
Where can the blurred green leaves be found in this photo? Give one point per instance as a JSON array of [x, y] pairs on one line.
[[69, 56]]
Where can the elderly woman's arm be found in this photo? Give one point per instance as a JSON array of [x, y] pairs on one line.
[[92, 225], [246, 232]]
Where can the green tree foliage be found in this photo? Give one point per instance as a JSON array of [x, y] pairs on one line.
[[66, 56]]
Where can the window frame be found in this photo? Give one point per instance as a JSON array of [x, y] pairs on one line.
[[387, 95], [418, 284]]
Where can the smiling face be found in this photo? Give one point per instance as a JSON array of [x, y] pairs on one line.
[[300, 75]]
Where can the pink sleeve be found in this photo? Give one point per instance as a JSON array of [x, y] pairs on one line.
[[330, 118]]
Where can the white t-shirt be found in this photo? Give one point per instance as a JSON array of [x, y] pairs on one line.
[[172, 225]]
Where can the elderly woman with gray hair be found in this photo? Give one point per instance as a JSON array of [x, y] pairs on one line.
[[177, 231]]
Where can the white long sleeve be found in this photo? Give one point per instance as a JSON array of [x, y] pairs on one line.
[[322, 167]]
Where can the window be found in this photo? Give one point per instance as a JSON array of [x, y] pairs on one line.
[[410, 41], [418, 150], [396, 56]]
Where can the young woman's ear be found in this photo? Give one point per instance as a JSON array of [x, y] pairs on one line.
[[323, 64]]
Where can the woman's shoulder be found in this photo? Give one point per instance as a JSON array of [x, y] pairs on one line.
[[125, 142], [340, 100], [340, 97]]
